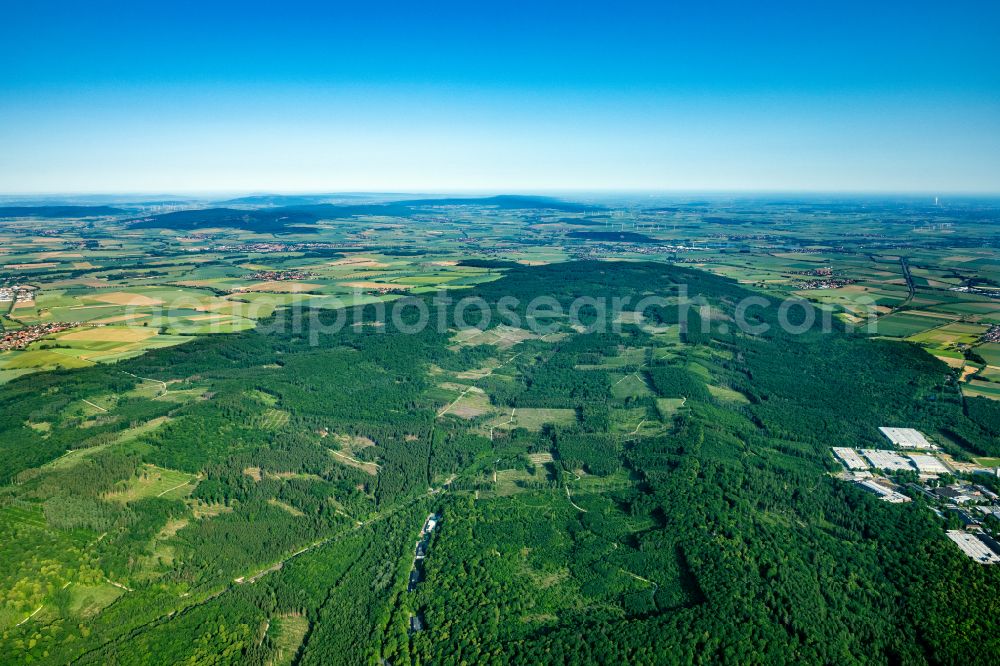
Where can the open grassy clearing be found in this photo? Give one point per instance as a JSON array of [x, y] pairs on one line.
[[503, 336], [345, 458], [471, 403], [727, 394], [533, 418], [668, 407], [271, 419], [629, 356], [633, 385], [287, 632], [153, 481], [507, 482]]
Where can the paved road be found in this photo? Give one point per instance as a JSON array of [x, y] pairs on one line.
[[909, 282]]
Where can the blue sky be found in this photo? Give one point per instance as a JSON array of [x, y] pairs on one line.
[[441, 96]]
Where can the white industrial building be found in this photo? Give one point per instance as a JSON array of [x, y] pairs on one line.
[[972, 546], [928, 464], [908, 438], [889, 460], [850, 458], [885, 494]]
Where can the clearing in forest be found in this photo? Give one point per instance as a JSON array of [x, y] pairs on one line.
[[287, 633], [153, 481]]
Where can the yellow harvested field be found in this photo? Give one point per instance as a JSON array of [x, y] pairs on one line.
[[24, 304], [58, 255], [955, 363], [284, 287], [966, 371], [83, 264], [121, 318], [444, 263], [109, 334], [126, 298]]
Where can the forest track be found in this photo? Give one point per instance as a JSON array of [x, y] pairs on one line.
[[645, 580], [570, 498], [94, 406], [184, 483], [30, 616], [147, 379]]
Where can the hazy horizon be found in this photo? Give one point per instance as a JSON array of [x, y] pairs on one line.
[[105, 97], [219, 196]]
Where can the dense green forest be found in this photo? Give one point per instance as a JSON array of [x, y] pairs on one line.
[[624, 496]]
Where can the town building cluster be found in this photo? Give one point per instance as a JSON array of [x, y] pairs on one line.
[[279, 276], [822, 278], [992, 335], [22, 337], [957, 492], [268, 248]]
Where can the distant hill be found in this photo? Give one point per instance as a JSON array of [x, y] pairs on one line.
[[506, 201], [280, 200], [408, 208], [308, 199], [59, 211], [275, 220], [613, 236], [342, 211], [391, 206]]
